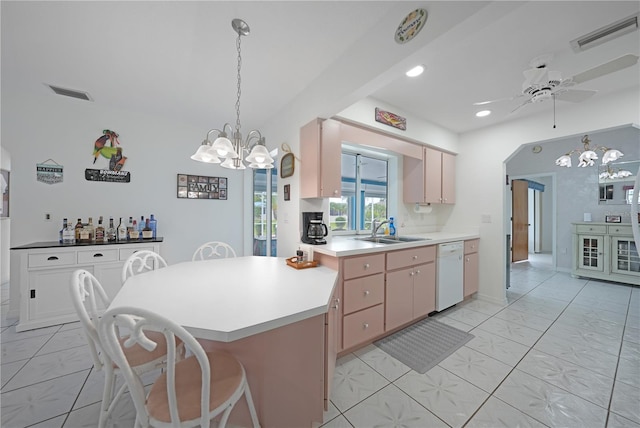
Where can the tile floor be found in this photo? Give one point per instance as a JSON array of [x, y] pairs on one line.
[[564, 352]]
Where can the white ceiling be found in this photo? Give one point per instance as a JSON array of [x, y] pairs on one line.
[[178, 59]]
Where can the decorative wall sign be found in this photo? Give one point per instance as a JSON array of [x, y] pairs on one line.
[[391, 119], [287, 192], [201, 187], [107, 146], [50, 173], [411, 26], [287, 165]]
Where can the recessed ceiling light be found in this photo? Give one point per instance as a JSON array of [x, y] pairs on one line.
[[415, 71], [483, 113]]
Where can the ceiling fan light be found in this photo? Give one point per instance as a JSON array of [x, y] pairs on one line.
[[483, 113], [415, 71], [564, 160], [611, 155]]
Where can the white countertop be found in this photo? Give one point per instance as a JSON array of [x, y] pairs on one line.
[[346, 245], [229, 299]]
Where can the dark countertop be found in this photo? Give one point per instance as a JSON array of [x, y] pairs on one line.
[[55, 244]]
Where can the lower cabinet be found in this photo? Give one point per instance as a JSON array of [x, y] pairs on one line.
[[410, 294], [471, 267], [40, 278]]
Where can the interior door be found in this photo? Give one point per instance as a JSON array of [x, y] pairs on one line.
[[519, 220]]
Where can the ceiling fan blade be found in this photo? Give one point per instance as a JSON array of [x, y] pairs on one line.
[[575, 95], [520, 106], [606, 68], [481, 103]]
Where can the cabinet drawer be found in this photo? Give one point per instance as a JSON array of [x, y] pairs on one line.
[[125, 253], [362, 326], [98, 256], [52, 259], [364, 292], [591, 228], [471, 246], [363, 265], [621, 230], [410, 257]]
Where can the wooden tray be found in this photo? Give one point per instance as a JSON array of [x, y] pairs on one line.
[[291, 261]]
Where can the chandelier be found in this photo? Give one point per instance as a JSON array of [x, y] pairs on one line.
[[587, 155], [613, 174], [233, 150]]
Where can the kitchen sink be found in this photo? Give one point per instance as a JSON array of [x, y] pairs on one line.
[[390, 240]]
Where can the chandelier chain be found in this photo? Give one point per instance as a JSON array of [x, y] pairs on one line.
[[239, 81]]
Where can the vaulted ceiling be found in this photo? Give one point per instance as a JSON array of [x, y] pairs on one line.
[[178, 59]]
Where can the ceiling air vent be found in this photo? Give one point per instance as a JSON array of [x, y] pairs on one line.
[[70, 93], [605, 34]]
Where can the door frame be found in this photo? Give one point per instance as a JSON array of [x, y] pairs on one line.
[[554, 215]]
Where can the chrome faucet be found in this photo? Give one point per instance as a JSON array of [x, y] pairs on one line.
[[375, 226]]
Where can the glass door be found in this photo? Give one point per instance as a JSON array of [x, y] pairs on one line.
[[265, 212]]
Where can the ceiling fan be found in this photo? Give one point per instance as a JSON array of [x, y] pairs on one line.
[[542, 84]]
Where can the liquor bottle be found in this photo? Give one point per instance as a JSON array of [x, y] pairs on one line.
[[77, 230], [129, 228], [122, 231], [141, 225], [100, 237], [147, 233], [69, 235], [134, 234], [111, 231], [61, 233], [84, 234], [153, 224], [91, 230]]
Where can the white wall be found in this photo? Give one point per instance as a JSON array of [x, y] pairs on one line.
[[481, 182], [5, 223], [49, 126]]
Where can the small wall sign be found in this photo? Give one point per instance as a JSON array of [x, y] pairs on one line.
[[201, 187], [49, 171], [108, 147], [411, 26], [391, 119], [287, 192]]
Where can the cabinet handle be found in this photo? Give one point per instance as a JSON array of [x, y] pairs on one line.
[[411, 273], [52, 258], [365, 326], [366, 265], [98, 255], [418, 272], [367, 292], [336, 304], [414, 257], [335, 192], [467, 259]]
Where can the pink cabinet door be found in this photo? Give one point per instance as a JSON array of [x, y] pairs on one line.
[[330, 161], [361, 293], [471, 274], [424, 289], [448, 178], [331, 345], [362, 326], [432, 175], [399, 298], [321, 151]]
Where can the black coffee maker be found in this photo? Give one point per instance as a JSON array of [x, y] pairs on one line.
[[313, 229]]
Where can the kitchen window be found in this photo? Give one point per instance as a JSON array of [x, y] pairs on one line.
[[364, 187]]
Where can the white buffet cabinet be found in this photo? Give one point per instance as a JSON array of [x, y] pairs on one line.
[[605, 251], [41, 273]]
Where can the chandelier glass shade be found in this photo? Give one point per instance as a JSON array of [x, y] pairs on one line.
[[588, 155], [230, 152]]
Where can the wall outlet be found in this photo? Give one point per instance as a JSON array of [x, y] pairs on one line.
[[47, 216]]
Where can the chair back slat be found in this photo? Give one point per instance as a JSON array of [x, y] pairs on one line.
[[213, 250], [140, 262]]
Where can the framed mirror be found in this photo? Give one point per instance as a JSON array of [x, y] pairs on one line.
[[615, 182]]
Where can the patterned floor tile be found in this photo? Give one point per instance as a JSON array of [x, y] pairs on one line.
[[479, 369], [353, 381], [524, 335], [8, 370], [467, 316], [626, 401], [35, 403], [338, 422], [524, 319], [587, 337], [483, 306], [549, 404], [617, 421], [498, 347], [628, 372], [630, 351], [122, 416], [498, 414], [577, 380], [22, 349], [63, 340], [455, 323], [390, 407], [382, 362], [448, 396]]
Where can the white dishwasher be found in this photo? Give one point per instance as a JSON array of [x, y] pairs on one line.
[[449, 290]]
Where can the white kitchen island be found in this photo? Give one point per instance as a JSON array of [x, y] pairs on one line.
[[276, 319]]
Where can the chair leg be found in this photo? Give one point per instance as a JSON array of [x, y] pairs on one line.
[[252, 409], [107, 393]]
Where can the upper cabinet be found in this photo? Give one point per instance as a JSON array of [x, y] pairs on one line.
[[430, 179], [320, 150]]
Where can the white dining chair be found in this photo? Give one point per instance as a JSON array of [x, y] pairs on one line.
[[190, 392], [213, 250], [90, 300], [142, 261]]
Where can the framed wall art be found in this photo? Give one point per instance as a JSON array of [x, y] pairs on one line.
[[613, 219], [201, 187]]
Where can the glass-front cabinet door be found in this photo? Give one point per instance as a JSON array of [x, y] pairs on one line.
[[624, 254], [590, 253]]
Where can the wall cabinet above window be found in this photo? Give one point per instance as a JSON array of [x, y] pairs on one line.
[[430, 179], [320, 149]]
